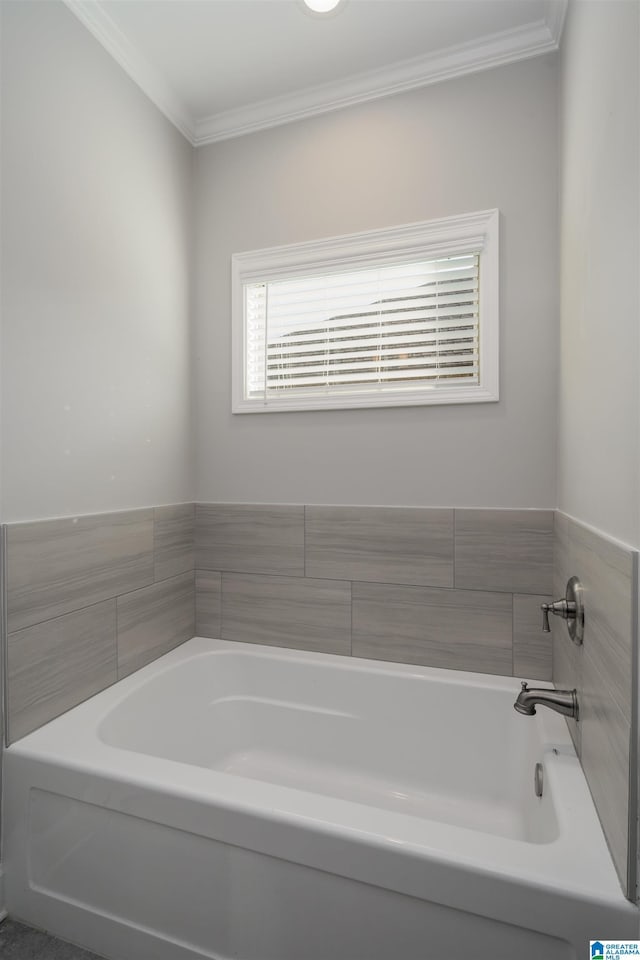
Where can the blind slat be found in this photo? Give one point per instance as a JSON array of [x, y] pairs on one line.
[[426, 374], [415, 322], [366, 363], [366, 349], [370, 332]]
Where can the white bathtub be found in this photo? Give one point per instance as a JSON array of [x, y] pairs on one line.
[[238, 801]]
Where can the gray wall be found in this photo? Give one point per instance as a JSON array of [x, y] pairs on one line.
[[96, 215], [599, 403], [478, 142]]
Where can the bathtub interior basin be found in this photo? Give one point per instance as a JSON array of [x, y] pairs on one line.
[[396, 740]]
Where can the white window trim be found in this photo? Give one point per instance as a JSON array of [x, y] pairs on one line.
[[427, 239]]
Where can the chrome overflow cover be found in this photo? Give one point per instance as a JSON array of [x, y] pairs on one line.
[[538, 779]]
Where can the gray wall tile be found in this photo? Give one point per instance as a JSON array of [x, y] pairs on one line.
[[605, 760], [153, 620], [56, 566], [456, 629], [567, 656], [208, 603], [605, 570], [601, 670], [287, 612], [532, 649], [561, 559], [504, 550], [567, 672], [173, 540], [250, 538], [382, 544], [53, 666]]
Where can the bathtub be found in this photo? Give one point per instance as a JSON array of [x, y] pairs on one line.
[[231, 800]]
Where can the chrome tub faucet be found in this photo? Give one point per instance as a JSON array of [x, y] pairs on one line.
[[562, 701]]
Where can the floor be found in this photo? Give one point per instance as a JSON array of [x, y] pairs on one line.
[[18, 942]]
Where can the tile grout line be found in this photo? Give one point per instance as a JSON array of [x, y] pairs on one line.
[[117, 619], [513, 633], [455, 512], [221, 630], [351, 618]]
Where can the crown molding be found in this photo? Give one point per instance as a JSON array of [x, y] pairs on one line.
[[498, 49], [531, 40], [95, 18], [554, 17]]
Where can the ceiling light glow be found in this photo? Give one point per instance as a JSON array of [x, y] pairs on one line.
[[322, 6]]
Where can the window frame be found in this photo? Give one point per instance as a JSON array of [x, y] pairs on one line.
[[473, 232]]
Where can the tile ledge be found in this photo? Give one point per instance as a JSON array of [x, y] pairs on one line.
[[598, 533], [84, 516]]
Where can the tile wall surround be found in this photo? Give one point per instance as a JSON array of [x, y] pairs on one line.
[[603, 670], [90, 599], [441, 587]]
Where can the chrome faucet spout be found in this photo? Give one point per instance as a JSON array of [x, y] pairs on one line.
[[562, 701]]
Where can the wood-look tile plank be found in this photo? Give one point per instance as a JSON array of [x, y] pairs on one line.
[[208, 603], [154, 620], [55, 665], [605, 570], [567, 656], [605, 739], [287, 612], [381, 544], [504, 550], [604, 670], [173, 540], [455, 629], [250, 538], [56, 566], [532, 649]]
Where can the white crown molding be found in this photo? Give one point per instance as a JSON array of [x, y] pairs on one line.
[[555, 16], [95, 18], [531, 40], [508, 46]]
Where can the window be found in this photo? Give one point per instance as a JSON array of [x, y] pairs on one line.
[[385, 318]]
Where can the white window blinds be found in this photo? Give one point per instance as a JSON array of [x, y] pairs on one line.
[[372, 329], [394, 317]]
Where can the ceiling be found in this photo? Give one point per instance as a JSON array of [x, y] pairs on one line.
[[221, 68]]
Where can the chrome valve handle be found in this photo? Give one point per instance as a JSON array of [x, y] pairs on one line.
[[559, 608], [571, 609], [545, 618]]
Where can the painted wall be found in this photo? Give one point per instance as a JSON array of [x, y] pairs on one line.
[[483, 141], [95, 256], [599, 403]]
